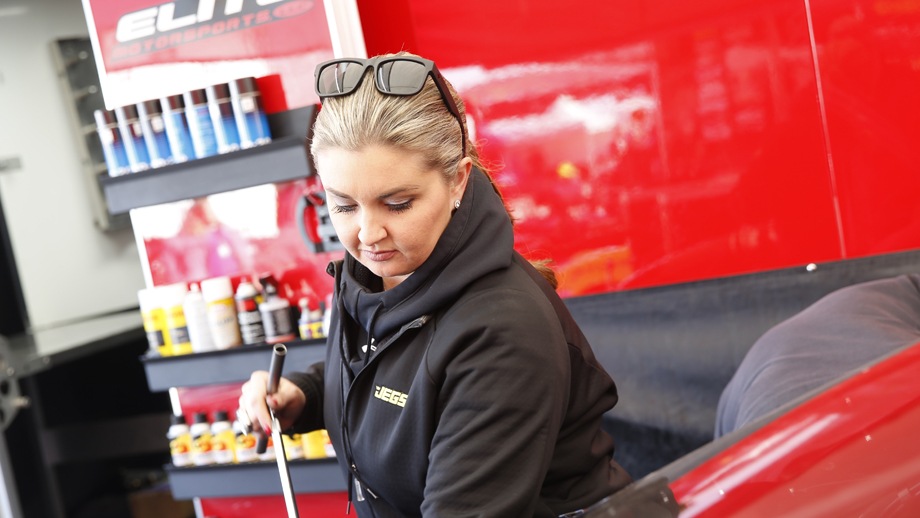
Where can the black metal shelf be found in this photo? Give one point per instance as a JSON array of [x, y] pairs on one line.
[[254, 479], [283, 159], [226, 366]]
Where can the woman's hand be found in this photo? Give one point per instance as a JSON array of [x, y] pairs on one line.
[[287, 403]]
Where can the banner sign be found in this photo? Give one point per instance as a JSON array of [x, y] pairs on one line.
[[150, 48]]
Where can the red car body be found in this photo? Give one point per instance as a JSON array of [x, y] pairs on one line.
[[850, 449]]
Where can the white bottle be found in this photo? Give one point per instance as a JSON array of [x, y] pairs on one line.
[[196, 319], [221, 310]]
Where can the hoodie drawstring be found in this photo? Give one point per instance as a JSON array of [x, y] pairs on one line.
[[370, 347]]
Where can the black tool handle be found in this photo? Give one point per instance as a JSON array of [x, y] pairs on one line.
[[274, 378]]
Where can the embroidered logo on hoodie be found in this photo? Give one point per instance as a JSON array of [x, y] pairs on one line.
[[389, 395]]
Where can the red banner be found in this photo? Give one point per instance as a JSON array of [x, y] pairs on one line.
[[150, 48]]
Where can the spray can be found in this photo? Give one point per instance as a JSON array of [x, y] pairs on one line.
[[177, 130], [221, 311], [113, 146], [222, 117], [180, 441], [223, 440], [247, 312], [153, 127], [245, 447], [154, 321], [171, 298], [200, 126], [276, 313], [202, 452], [251, 119], [130, 127]]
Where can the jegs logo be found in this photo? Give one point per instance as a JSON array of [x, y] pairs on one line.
[[183, 21]]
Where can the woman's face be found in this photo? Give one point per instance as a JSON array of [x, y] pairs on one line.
[[387, 207]]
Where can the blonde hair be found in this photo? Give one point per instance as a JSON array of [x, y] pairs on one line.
[[419, 124]]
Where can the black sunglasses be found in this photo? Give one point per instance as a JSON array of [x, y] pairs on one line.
[[394, 75]]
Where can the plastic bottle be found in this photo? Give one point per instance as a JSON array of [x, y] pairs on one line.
[[293, 446], [276, 313], [303, 323], [223, 440], [221, 310], [196, 319], [245, 447], [247, 313], [269, 453], [180, 441], [327, 315], [315, 323], [202, 452], [154, 321], [171, 297], [314, 444]]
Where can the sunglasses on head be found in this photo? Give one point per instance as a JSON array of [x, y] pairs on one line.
[[393, 75]]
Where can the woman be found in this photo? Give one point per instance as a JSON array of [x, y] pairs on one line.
[[455, 380]]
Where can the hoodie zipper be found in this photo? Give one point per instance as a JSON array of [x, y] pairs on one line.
[[353, 477]]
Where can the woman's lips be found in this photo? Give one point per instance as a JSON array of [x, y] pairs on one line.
[[379, 256]]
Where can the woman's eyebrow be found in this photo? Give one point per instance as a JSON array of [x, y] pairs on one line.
[[399, 190]]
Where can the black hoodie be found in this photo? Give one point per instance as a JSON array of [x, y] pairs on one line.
[[479, 395]]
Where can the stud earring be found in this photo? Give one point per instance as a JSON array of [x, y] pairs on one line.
[[456, 204]]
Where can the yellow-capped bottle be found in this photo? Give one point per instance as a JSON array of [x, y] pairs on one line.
[[246, 443], [202, 449], [223, 440], [180, 441], [154, 319]]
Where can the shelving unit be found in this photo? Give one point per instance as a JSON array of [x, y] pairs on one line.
[[285, 158], [258, 478], [227, 366]]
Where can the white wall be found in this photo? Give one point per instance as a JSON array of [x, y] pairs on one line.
[[68, 268]]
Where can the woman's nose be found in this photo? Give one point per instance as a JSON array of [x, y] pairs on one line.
[[371, 229]]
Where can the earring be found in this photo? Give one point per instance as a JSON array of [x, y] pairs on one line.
[[456, 204]]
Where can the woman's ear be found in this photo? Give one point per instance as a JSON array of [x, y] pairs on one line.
[[462, 177]]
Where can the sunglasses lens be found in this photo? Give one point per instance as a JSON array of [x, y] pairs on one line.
[[401, 77], [339, 78]]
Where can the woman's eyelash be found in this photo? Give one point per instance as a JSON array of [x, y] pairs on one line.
[[400, 207], [395, 207], [342, 209]]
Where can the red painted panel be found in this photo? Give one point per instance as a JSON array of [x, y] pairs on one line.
[[643, 143], [240, 233], [325, 505], [851, 451], [869, 55]]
